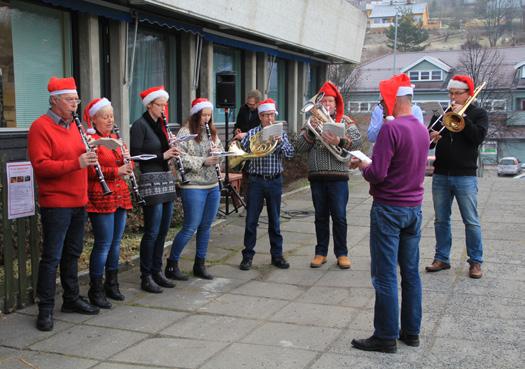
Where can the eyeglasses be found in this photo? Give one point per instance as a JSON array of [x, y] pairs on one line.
[[456, 93], [162, 106], [70, 100]]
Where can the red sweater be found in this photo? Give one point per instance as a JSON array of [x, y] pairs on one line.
[[110, 161], [54, 151]]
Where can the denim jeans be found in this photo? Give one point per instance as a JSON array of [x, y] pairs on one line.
[[465, 190], [330, 199], [395, 232], [157, 219], [259, 190], [200, 209], [108, 229], [63, 233]]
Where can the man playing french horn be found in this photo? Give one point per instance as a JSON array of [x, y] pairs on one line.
[[328, 175]]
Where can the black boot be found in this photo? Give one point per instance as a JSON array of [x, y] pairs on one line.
[[172, 271], [44, 322], [162, 281], [199, 269], [96, 294], [149, 285], [111, 286]]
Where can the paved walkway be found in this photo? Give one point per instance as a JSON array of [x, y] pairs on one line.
[[301, 317]]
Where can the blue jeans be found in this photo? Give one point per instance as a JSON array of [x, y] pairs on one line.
[[465, 190], [63, 233], [259, 190], [157, 219], [330, 199], [200, 209], [395, 232], [108, 229]]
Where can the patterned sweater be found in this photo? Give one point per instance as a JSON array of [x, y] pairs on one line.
[[322, 165], [193, 157]]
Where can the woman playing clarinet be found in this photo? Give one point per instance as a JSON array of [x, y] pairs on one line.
[[107, 213], [201, 195], [157, 186]]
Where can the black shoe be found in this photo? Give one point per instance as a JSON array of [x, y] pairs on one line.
[[409, 339], [96, 294], [111, 286], [149, 285], [172, 271], [199, 269], [246, 263], [375, 344], [162, 281], [44, 321], [280, 262], [80, 306]]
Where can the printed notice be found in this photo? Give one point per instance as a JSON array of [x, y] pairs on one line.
[[20, 190]]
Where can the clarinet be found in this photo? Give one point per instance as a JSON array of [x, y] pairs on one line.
[[132, 179], [178, 161], [217, 167], [98, 170]]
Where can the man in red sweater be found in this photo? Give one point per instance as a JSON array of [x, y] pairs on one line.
[[59, 159]]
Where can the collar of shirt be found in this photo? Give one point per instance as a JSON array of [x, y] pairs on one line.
[[58, 119]]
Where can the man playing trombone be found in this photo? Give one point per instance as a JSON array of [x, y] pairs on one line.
[[455, 174]]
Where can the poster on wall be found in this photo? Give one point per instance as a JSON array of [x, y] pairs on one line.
[[20, 190]]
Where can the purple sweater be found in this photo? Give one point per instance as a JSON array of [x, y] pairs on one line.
[[397, 171]]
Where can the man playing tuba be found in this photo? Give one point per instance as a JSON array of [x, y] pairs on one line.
[[328, 176]]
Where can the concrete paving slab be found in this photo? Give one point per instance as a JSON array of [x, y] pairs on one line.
[[345, 278], [271, 290], [42, 360], [316, 315], [244, 306], [233, 272], [179, 299], [216, 286], [299, 277], [126, 366], [325, 295], [379, 361]]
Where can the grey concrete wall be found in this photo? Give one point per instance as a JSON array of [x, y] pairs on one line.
[[89, 55]]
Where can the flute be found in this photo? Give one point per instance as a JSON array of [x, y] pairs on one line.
[[98, 170], [132, 179], [177, 159], [217, 166]]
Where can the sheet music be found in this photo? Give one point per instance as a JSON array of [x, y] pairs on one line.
[[143, 157], [223, 153], [337, 129], [184, 138], [272, 130], [108, 142], [361, 156]]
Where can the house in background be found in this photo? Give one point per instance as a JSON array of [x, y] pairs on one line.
[[430, 72], [382, 15]]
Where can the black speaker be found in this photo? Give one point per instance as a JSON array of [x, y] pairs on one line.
[[225, 89]]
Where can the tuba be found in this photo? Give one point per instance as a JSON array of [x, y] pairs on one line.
[[258, 149], [318, 111]]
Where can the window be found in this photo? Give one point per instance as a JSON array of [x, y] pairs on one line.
[[277, 86], [154, 65], [523, 72], [426, 75], [362, 106], [436, 75], [414, 76], [36, 45], [226, 59], [312, 76], [495, 105], [522, 105]]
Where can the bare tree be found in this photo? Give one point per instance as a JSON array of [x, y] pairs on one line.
[[345, 77], [497, 16]]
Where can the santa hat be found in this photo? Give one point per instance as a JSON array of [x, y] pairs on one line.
[[153, 93], [200, 103], [93, 107], [330, 89], [398, 85], [267, 105], [462, 83], [59, 86]]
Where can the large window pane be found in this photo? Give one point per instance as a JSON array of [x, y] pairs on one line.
[[226, 59], [35, 44], [277, 85]]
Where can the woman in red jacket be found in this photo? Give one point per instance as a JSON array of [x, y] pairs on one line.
[[107, 213]]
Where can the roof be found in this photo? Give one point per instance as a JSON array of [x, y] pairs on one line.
[[436, 62], [373, 71], [384, 11]]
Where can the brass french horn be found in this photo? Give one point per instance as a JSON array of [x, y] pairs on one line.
[[258, 149]]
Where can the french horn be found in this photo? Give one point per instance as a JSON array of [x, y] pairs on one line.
[[258, 149]]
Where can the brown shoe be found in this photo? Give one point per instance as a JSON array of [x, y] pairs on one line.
[[344, 262], [437, 266], [475, 271], [318, 261]]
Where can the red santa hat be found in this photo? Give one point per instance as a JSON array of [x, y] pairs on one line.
[[59, 86], [398, 85], [330, 89], [267, 105], [93, 108], [200, 103], [153, 93], [462, 83]]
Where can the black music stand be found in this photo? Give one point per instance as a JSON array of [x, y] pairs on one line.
[[228, 191]]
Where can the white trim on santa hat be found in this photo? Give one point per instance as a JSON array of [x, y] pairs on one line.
[[405, 90], [202, 105], [454, 83], [61, 92], [267, 107], [102, 103], [154, 95]]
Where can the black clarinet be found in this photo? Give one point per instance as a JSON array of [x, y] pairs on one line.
[[98, 170], [177, 159], [132, 179], [217, 166]]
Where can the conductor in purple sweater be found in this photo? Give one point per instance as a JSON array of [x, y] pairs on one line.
[[396, 176]]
